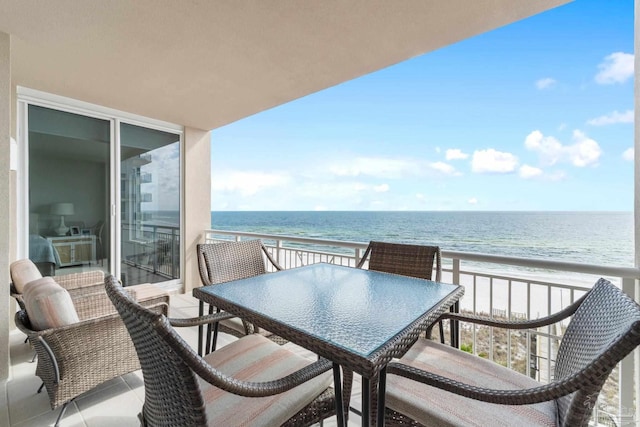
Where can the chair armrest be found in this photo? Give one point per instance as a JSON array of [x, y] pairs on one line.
[[271, 259], [510, 324], [239, 387], [147, 294], [364, 257], [197, 321], [528, 396], [16, 295], [257, 389]]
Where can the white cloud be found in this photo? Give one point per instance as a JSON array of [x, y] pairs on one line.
[[628, 154], [247, 183], [545, 83], [549, 148], [383, 188], [527, 171], [444, 168], [612, 118], [376, 166], [493, 161], [616, 68], [583, 152], [455, 154], [472, 201]]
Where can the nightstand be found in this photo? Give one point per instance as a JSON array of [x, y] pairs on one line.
[[75, 250]]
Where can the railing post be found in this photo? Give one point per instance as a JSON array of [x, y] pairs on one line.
[[358, 256], [174, 263], [455, 326], [278, 250], [155, 249], [455, 271], [628, 374]]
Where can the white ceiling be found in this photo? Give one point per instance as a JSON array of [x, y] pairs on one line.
[[205, 63]]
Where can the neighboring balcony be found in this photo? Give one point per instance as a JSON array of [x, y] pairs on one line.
[[528, 289]]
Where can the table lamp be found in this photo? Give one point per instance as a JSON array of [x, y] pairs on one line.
[[62, 209]]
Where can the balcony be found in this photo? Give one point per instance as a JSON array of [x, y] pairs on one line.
[[489, 291]]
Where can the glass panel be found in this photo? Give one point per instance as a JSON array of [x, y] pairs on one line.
[[150, 205], [336, 304], [68, 191]]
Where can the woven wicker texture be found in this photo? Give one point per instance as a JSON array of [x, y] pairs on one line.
[[605, 327], [170, 369], [76, 358], [227, 261], [407, 260]]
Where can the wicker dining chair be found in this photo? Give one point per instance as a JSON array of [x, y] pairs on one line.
[[407, 260], [227, 261], [185, 389], [434, 384]]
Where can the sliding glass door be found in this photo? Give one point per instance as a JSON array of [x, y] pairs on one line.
[[68, 198], [149, 204], [101, 193]]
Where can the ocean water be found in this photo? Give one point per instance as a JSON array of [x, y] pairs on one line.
[[600, 238]]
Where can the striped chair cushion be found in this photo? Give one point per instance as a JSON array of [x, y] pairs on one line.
[[434, 407], [48, 304], [255, 358], [22, 272]]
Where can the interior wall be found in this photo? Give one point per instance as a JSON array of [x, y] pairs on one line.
[[65, 180]]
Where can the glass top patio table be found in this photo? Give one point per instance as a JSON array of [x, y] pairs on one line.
[[358, 311], [360, 319]]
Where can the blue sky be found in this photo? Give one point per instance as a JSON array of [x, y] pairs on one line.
[[537, 115]]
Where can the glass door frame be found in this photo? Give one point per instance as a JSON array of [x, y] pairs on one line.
[[26, 97]]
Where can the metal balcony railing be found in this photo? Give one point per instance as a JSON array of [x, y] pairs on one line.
[[153, 248], [502, 287]]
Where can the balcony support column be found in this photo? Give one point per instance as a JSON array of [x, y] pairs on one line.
[[197, 201]]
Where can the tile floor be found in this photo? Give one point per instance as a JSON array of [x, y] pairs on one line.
[[115, 403]]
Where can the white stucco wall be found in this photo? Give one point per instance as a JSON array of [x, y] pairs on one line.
[[5, 196]]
